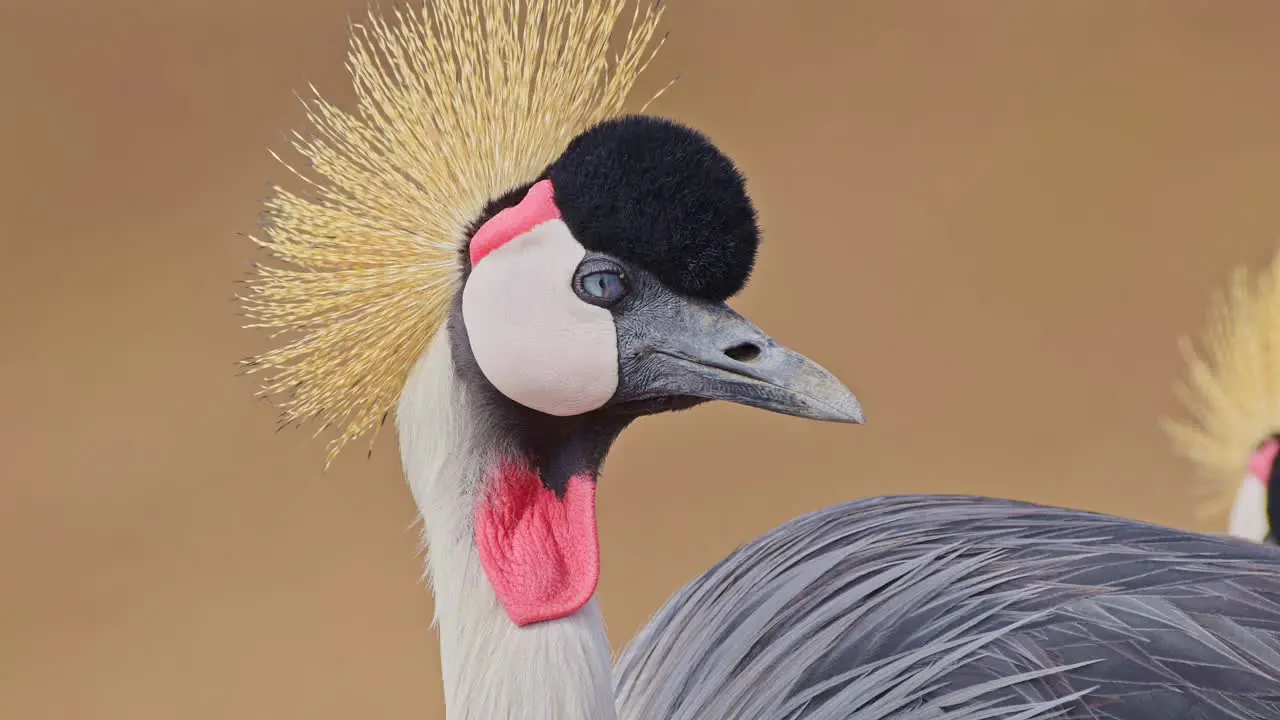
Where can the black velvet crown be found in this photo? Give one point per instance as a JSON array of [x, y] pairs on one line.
[[657, 194]]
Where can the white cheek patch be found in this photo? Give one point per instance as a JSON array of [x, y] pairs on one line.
[[1249, 513], [534, 339]]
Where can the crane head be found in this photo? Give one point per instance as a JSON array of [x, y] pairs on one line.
[[1232, 393], [488, 197], [590, 297], [1254, 509], [602, 286]]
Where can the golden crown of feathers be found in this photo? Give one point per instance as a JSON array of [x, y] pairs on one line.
[[457, 105], [1233, 390]]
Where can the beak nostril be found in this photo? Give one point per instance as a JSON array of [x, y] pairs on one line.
[[744, 352]]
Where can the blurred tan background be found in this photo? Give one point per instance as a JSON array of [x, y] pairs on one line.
[[992, 219]]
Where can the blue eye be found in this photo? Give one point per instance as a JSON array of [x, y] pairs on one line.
[[603, 287]]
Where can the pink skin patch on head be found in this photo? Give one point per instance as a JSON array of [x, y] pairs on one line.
[[1262, 460], [537, 207], [540, 552]]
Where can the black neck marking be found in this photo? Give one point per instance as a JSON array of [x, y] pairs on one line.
[[1273, 498]]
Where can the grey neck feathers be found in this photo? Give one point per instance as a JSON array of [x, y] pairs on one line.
[[493, 670]]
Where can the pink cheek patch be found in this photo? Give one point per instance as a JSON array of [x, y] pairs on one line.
[[1262, 461], [531, 335], [540, 552], [537, 207]]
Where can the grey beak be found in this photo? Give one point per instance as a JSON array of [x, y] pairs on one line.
[[705, 350]]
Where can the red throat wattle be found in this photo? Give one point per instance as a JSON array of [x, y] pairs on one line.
[[540, 552]]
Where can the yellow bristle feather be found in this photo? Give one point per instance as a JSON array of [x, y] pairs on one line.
[[456, 105], [1232, 390]]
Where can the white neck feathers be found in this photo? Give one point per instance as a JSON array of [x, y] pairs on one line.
[[493, 670]]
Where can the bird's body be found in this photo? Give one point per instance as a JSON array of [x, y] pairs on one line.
[[894, 608], [517, 271], [960, 608]]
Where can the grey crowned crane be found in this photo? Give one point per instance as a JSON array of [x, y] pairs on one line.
[[1232, 392], [497, 255]]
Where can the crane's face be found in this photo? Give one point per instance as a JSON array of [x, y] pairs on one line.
[[1251, 515], [566, 331], [577, 301]]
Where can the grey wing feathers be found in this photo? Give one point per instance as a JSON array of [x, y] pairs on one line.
[[964, 608]]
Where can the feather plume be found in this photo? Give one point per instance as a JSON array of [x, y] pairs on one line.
[[456, 104], [1232, 388]]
